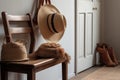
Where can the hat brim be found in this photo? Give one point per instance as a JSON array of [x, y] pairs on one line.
[[44, 11], [15, 60]]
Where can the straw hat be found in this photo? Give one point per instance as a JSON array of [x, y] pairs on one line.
[[51, 22], [14, 51]]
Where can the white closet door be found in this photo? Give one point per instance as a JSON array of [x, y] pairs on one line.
[[85, 35]]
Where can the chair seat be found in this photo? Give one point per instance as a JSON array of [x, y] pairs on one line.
[[37, 64]]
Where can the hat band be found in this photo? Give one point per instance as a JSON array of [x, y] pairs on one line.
[[52, 23]]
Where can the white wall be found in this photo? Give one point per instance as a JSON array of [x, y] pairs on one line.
[[67, 8], [112, 24]]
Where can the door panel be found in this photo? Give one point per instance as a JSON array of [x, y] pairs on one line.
[[88, 34], [80, 38]]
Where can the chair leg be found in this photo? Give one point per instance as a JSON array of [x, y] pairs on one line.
[[31, 75], [4, 73], [64, 71]]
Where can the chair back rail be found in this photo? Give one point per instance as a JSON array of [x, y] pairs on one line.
[[9, 30]]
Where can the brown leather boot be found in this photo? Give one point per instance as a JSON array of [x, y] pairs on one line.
[[105, 57], [112, 55]]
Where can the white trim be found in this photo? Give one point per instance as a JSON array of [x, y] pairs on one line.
[[69, 76]]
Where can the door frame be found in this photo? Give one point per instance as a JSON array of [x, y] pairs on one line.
[[75, 37]]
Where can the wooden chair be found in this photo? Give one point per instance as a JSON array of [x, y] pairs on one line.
[[29, 67]]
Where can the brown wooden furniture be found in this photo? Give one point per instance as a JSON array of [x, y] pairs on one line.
[[28, 67]]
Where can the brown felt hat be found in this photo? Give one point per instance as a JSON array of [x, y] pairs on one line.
[[51, 22]]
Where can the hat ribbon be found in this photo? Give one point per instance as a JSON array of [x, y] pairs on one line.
[[52, 23]]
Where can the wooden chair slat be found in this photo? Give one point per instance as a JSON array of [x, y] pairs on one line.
[[18, 18], [16, 30]]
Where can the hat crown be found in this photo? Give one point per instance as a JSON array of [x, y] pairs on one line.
[[56, 22]]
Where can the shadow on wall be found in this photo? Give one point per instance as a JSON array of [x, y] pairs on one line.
[[0, 59], [1, 40], [0, 20]]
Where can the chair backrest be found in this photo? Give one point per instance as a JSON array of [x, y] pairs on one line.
[[9, 30]]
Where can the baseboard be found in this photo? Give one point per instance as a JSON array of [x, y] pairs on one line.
[[69, 76]]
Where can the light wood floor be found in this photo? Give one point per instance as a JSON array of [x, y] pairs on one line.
[[85, 73]]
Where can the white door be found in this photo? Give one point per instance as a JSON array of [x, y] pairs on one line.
[[85, 36]]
